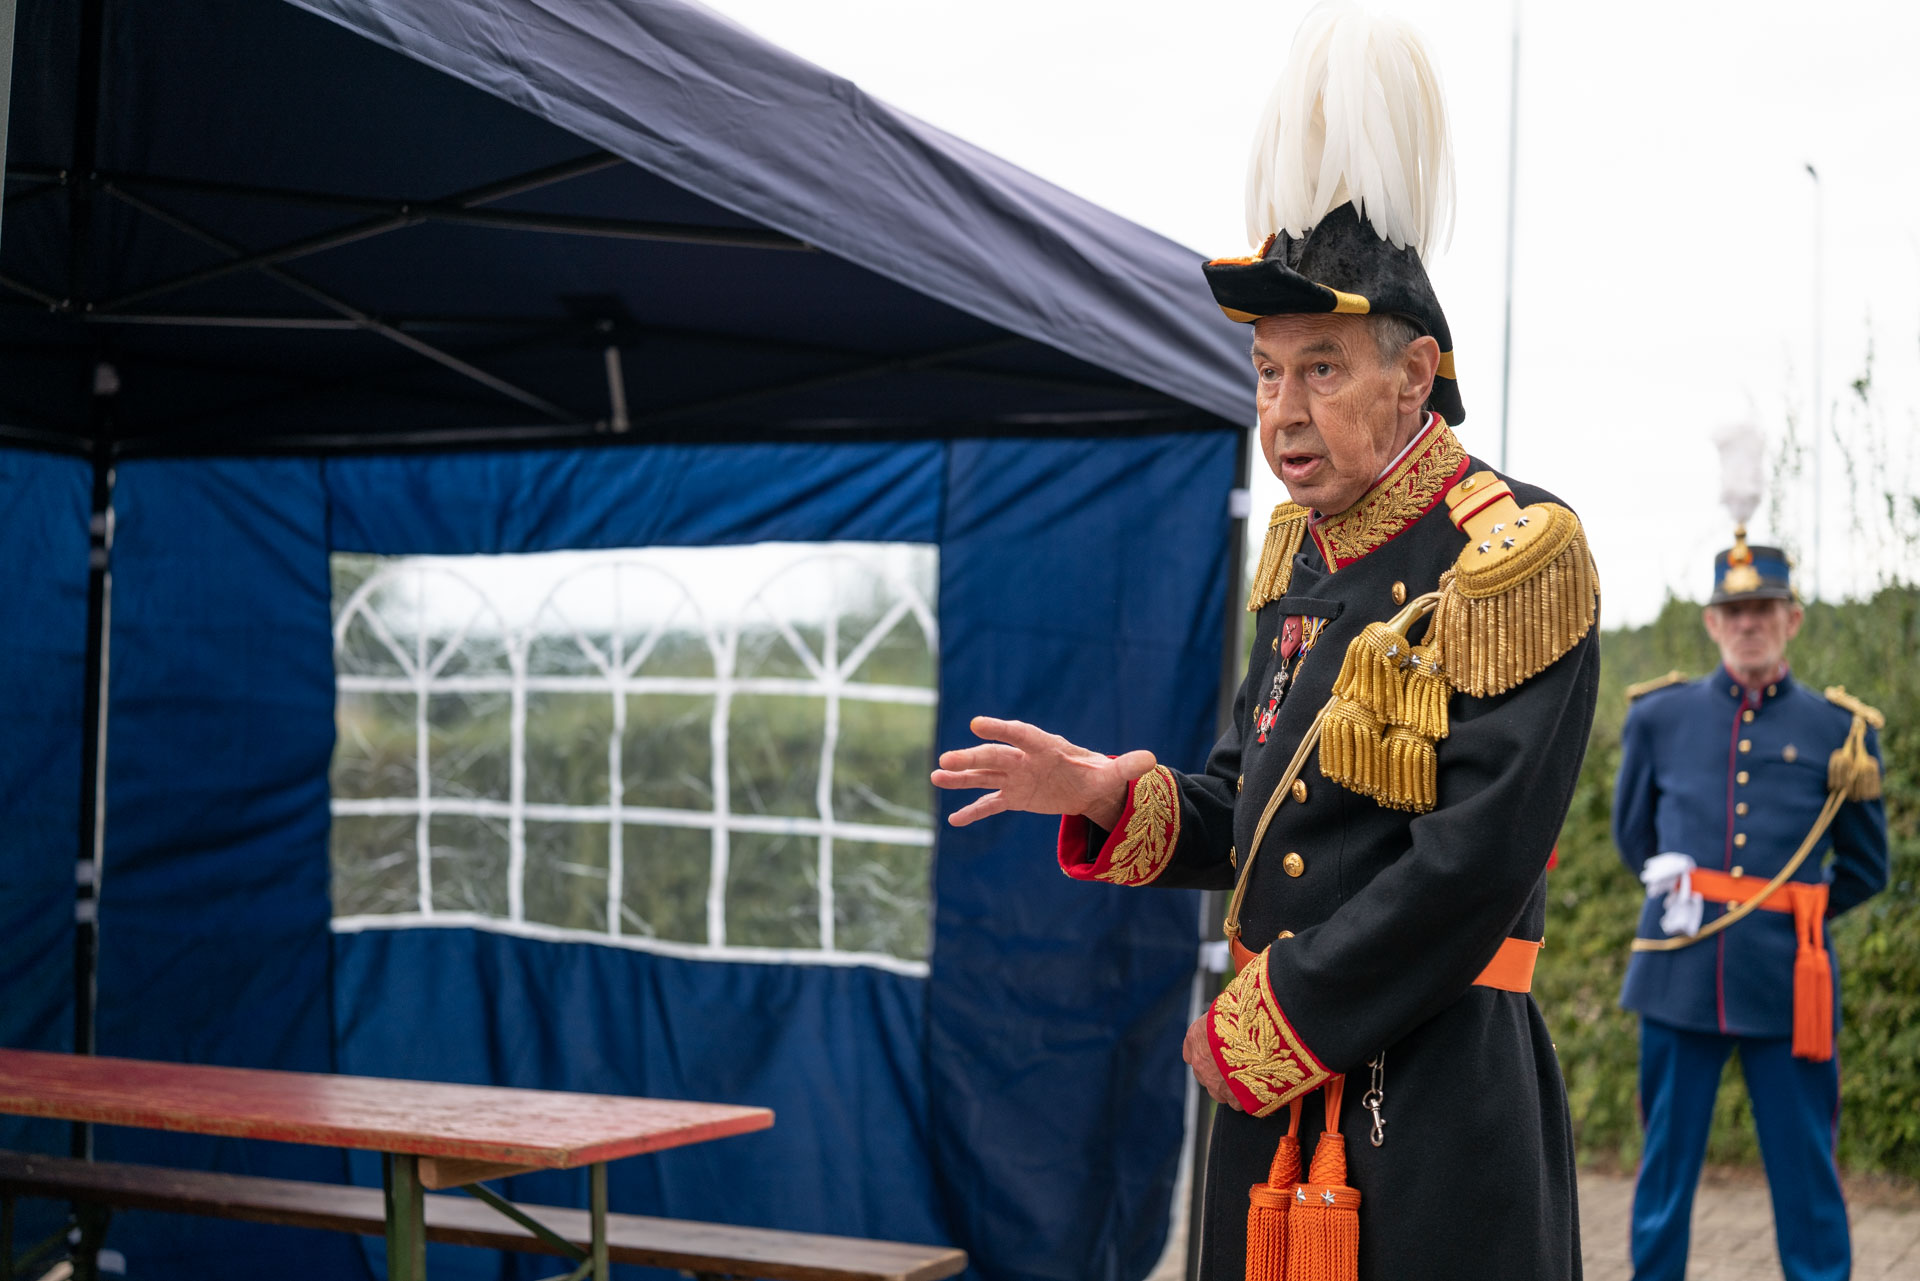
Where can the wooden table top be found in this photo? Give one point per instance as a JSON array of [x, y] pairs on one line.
[[544, 1129]]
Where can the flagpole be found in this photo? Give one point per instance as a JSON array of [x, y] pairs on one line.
[[1513, 182]]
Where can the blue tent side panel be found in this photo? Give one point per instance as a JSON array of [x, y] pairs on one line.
[[1081, 587], [214, 908], [44, 504], [1083, 590]]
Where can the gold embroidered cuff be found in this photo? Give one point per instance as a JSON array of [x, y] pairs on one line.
[[1141, 845], [1265, 1062]]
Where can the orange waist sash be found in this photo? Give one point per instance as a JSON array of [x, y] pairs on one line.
[[1510, 970], [1812, 976]]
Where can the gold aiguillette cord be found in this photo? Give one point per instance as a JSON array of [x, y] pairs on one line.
[[1416, 609]]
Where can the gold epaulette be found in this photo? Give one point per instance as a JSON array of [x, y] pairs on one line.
[[1523, 591], [1659, 682], [1285, 530], [1851, 770]]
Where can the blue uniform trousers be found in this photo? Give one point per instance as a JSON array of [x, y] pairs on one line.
[[1796, 1110]]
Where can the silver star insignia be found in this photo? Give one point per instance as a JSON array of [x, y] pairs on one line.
[[1498, 528], [1393, 651], [1507, 541], [1300, 1195], [1485, 548], [1522, 522], [1326, 1198]]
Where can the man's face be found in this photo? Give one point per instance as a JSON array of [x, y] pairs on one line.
[[1753, 634], [1332, 413]]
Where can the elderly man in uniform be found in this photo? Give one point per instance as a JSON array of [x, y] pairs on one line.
[[1403, 748], [1733, 790]]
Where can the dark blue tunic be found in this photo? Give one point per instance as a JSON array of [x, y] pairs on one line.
[[1735, 779]]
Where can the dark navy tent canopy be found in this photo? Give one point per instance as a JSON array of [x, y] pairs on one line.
[[281, 281], [397, 219]]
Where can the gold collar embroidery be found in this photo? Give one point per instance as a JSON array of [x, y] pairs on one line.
[[1396, 500]]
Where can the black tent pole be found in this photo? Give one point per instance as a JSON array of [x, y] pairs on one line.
[[86, 125], [6, 74], [1213, 903]]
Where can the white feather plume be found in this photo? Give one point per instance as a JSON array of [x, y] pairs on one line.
[[1358, 115], [1742, 469]]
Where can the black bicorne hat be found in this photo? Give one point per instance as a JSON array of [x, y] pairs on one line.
[[1341, 266]]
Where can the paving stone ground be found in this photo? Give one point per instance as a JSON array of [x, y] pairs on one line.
[[1733, 1231]]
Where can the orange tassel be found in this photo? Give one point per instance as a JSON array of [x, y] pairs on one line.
[[1812, 980], [1323, 1225], [1267, 1208]]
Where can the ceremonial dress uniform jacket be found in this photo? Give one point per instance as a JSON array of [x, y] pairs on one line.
[[1734, 778], [1371, 923]]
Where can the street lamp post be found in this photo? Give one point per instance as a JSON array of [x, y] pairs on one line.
[[1819, 415]]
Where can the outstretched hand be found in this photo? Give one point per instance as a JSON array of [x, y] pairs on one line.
[[1028, 769]]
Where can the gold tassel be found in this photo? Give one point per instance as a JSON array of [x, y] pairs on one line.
[[1413, 767], [1374, 670], [1286, 529], [1423, 698], [1352, 752], [1851, 770], [1500, 623]]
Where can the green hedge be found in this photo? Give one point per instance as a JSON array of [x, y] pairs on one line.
[[1873, 648]]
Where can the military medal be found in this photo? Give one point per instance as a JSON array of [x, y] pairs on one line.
[[1296, 638]]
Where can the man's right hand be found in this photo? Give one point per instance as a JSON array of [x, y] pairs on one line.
[[1029, 769]]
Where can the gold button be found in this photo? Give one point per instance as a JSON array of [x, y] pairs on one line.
[[1240, 783], [1300, 791], [1294, 864], [1738, 871], [1734, 690], [1739, 840], [1747, 716], [1770, 690], [1746, 745], [1399, 593], [1283, 934], [1741, 777], [1741, 809], [1276, 644], [1789, 753]]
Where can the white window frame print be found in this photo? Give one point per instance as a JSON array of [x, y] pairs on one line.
[[829, 677]]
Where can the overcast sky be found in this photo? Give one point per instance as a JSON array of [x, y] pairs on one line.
[[1664, 275]]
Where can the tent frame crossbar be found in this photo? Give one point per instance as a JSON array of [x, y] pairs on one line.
[[466, 208], [334, 302]]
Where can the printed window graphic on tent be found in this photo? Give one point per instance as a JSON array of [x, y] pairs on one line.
[[717, 752]]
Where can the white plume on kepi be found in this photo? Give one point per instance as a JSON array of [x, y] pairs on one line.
[[1358, 115], [1742, 469]]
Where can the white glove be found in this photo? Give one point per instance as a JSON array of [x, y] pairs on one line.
[[1668, 874]]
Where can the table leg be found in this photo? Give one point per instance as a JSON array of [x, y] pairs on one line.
[[597, 1211], [406, 1218]]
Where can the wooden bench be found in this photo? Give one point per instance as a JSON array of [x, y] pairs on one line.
[[704, 1249]]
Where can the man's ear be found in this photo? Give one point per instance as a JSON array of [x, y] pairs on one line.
[[1419, 363], [1795, 616], [1710, 619]]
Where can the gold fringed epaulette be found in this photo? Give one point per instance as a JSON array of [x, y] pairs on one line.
[[1851, 770], [1285, 531], [1643, 688], [1523, 592]]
